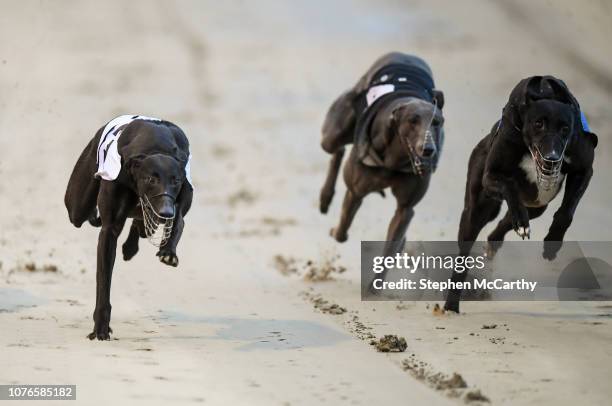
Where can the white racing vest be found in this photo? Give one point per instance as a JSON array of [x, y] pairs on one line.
[[108, 158]]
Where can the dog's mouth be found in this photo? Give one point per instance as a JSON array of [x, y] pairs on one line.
[[158, 228], [548, 170], [423, 159]]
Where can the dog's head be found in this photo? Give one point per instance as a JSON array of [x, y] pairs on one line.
[[158, 179], [548, 126], [548, 117], [416, 135]]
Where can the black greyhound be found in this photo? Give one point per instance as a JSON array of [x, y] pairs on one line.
[[134, 167], [393, 116], [541, 140]]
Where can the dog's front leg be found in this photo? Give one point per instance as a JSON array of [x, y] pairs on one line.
[[396, 237], [503, 187], [167, 252], [107, 247], [397, 229], [114, 202], [575, 186]]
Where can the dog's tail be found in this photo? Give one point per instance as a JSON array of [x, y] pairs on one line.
[[82, 190]]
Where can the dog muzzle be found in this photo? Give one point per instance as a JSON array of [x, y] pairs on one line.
[[548, 170], [425, 158], [157, 228]]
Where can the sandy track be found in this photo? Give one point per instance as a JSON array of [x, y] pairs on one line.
[[249, 83]]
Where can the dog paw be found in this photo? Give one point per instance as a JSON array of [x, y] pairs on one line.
[[451, 306], [168, 258], [551, 248], [324, 201], [372, 291], [520, 222], [491, 249], [102, 333], [523, 232], [340, 237], [129, 250]]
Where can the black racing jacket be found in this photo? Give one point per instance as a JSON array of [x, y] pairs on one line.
[[389, 85]]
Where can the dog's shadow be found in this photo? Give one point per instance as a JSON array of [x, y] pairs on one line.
[[261, 334]]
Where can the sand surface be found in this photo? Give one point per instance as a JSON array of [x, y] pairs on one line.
[[249, 82]]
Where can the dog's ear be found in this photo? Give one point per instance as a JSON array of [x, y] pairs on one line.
[[394, 123], [549, 87], [561, 92], [181, 156], [438, 96], [592, 137], [381, 136], [133, 162], [520, 97], [532, 91]]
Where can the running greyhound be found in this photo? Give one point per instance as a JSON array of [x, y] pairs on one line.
[[393, 116], [541, 140], [138, 167]]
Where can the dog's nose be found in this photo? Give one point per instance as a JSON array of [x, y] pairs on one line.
[[552, 148], [166, 211], [165, 207], [428, 151], [552, 155]]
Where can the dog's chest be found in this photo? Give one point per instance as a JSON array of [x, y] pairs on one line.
[[543, 196]]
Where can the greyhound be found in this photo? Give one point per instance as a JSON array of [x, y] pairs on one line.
[[137, 167], [393, 116], [541, 140]]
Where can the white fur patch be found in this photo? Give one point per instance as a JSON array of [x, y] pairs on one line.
[[528, 166]]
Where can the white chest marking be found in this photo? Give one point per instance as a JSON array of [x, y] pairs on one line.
[[528, 166]]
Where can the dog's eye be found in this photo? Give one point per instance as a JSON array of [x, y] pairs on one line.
[[565, 130], [150, 180], [176, 181], [414, 120], [538, 124]]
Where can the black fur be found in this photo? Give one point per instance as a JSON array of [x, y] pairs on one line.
[[153, 156], [541, 111]]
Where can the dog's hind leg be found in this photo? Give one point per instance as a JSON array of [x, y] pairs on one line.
[[82, 191], [328, 189], [473, 219], [339, 124], [337, 132], [351, 204], [167, 253], [130, 246], [496, 238]]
